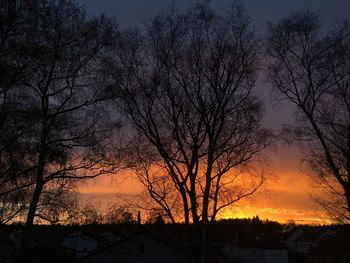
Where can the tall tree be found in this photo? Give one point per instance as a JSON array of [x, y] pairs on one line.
[[14, 121], [61, 98], [187, 88], [311, 69]]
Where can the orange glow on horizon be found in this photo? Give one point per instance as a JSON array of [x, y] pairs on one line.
[[285, 197], [279, 215]]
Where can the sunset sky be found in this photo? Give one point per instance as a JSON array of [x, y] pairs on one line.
[[286, 196]]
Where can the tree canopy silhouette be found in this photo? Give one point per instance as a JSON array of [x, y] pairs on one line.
[[53, 101], [311, 70], [186, 85]]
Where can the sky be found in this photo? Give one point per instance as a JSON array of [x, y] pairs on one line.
[[286, 196]]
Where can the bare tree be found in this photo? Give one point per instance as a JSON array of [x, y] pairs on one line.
[[58, 203], [14, 121], [86, 213], [311, 70], [187, 87], [60, 97], [119, 214]]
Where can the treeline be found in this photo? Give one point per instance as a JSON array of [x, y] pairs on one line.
[[173, 103]]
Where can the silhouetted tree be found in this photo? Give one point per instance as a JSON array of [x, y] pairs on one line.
[[160, 220], [60, 96], [117, 214], [139, 217], [15, 122], [187, 88], [311, 70], [153, 215], [86, 213]]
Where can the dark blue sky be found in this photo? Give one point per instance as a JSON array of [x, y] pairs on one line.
[[136, 12]]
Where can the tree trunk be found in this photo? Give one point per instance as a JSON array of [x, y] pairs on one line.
[[31, 215], [39, 184], [193, 200]]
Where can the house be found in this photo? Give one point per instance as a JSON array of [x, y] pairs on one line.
[[303, 240], [249, 247], [262, 249], [139, 247], [79, 244], [16, 239], [308, 239], [288, 237], [333, 247]]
